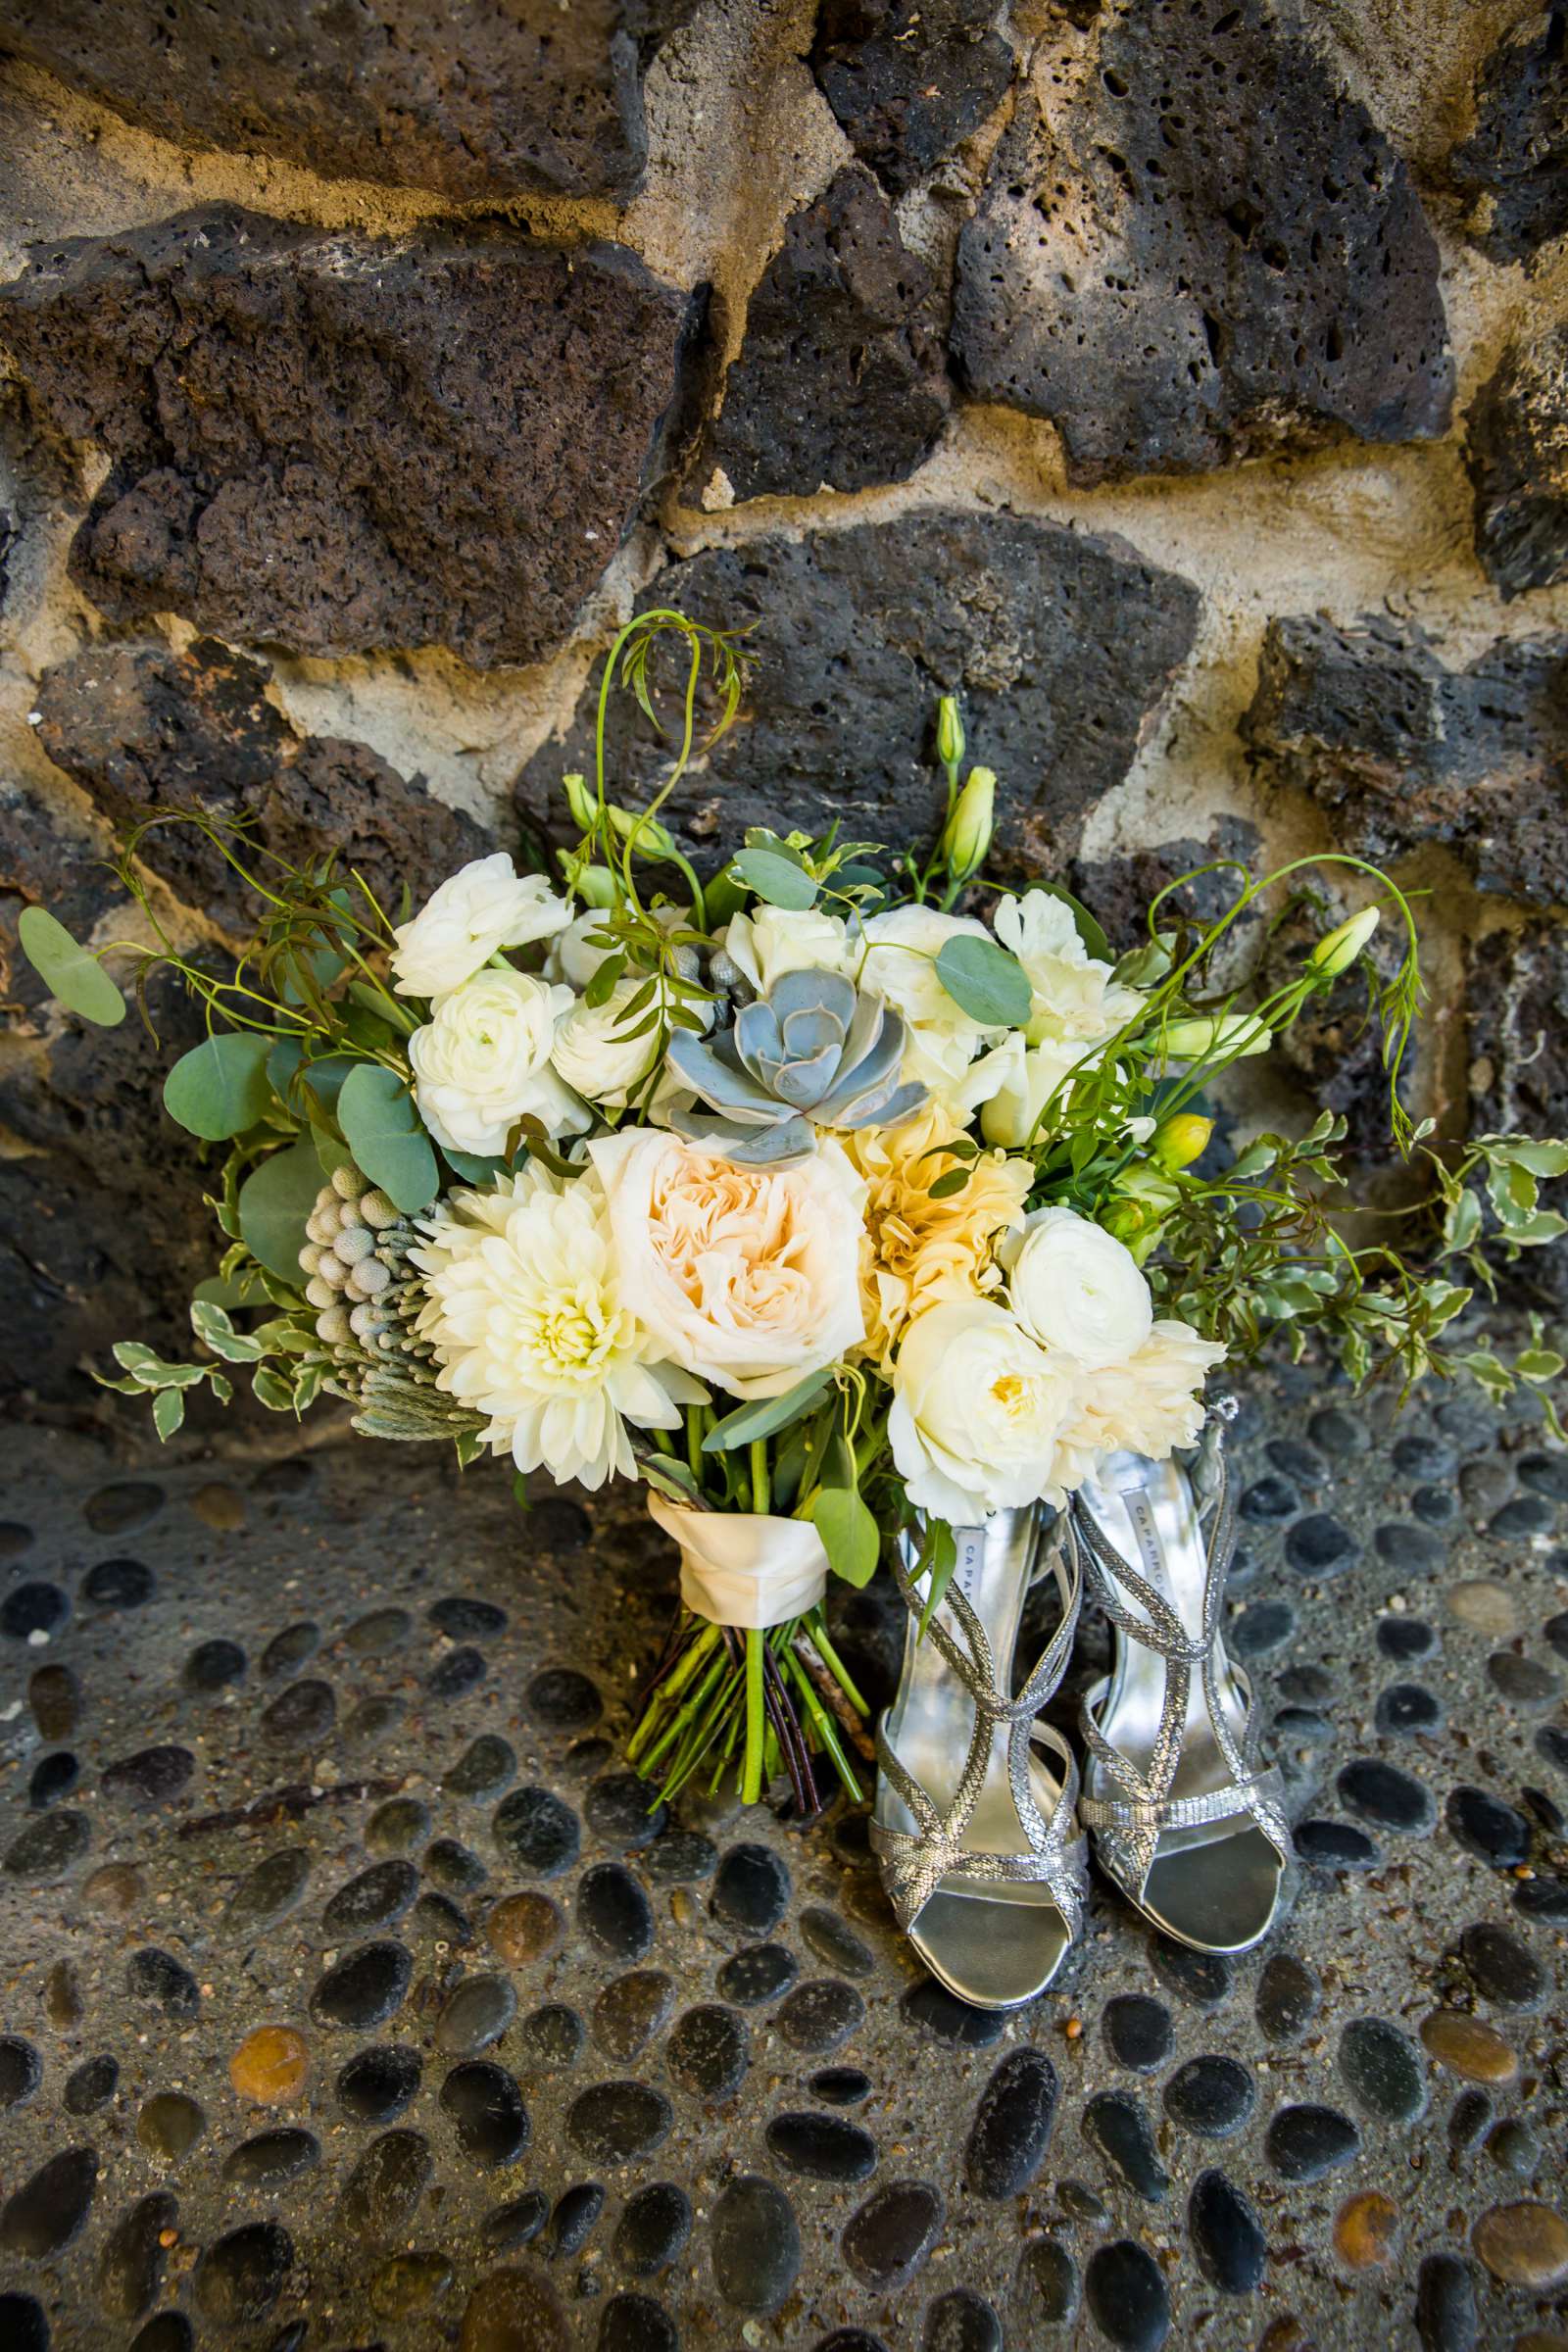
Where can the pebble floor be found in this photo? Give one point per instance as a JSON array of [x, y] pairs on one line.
[[352, 1997]]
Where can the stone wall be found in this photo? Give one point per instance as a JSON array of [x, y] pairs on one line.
[[1187, 387]]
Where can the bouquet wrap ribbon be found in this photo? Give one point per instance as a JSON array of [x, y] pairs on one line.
[[744, 1568]]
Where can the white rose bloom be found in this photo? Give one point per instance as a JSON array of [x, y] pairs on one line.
[[1151, 1403], [484, 1062], [978, 1413], [1073, 1285], [593, 1058], [900, 967], [482, 907], [771, 941], [525, 1313], [748, 1277]]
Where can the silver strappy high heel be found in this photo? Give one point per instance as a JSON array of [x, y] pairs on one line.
[[977, 1838], [1181, 1816]]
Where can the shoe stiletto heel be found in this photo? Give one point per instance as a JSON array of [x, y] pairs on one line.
[[975, 1831], [1180, 1814]]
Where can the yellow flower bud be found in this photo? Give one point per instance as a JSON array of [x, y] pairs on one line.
[[966, 836], [1180, 1141], [1232, 1036], [1124, 1221], [949, 732], [1339, 949]]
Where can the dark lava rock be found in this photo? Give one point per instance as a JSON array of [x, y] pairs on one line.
[[888, 2238], [751, 1890], [1335, 1845], [1227, 2235], [487, 2110], [1211, 2094], [1404, 1638], [621, 1810], [862, 625], [288, 1651], [1516, 155], [1319, 1546], [536, 1832], [1517, 444], [475, 2015], [240, 2278], [191, 350], [301, 1715], [1118, 2127], [455, 99], [1505, 1971], [1288, 1997], [1445, 2314], [827, 2148], [90, 2086], [1400, 749], [365, 1987], [154, 1776], [483, 1769], [118, 1585], [1125, 2291], [214, 1666], [157, 1977], [820, 2014], [654, 2227], [760, 1973], [756, 2244], [386, 2184], [131, 2268], [1202, 1978], [1384, 2070], [1485, 1825], [709, 2051], [615, 2121], [1138, 2031], [564, 1701], [961, 2320], [379, 2083], [114, 1510], [268, 1892], [271, 2158], [21, 2071], [1304, 2143], [636, 2324], [1296, 303], [1391, 1799], [46, 1849], [1405, 1708], [613, 1912], [377, 1898], [1011, 2128], [573, 2222], [841, 380], [33, 1608], [944, 2015], [39, 2220], [909, 80], [52, 1779]]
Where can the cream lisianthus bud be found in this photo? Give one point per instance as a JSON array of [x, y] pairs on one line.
[[950, 731], [581, 802], [1180, 1141], [967, 834], [1232, 1036], [653, 839], [1339, 949]]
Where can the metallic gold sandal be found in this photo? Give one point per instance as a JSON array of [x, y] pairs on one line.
[[977, 1836], [1181, 1816]]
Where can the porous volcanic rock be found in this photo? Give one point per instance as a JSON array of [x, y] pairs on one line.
[[455, 95], [909, 80], [1516, 158], [1061, 645], [1517, 454], [1194, 246], [1516, 1003], [333, 441]]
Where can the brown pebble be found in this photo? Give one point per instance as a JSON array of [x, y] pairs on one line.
[[269, 2065], [1284, 2334], [116, 1889], [62, 1997], [1541, 2339], [1365, 2230], [1467, 2047], [1484, 1605], [515, 2311], [221, 1507], [53, 1697], [522, 1929], [1523, 2245]]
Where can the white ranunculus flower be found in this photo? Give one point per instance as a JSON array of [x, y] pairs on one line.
[[1074, 1286], [771, 941], [483, 1061], [978, 1413], [484, 906], [748, 1277], [593, 1058], [525, 1312], [900, 967], [1151, 1403], [1075, 995], [570, 957]]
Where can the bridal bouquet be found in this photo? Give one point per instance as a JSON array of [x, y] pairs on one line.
[[840, 1198]]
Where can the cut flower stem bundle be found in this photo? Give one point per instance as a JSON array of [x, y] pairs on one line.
[[841, 1195]]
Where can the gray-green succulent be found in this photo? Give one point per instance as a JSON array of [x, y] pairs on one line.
[[815, 1051]]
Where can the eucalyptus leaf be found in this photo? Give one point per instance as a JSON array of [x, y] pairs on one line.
[[72, 975], [984, 981], [470, 1167], [849, 1532], [768, 1413], [381, 1128], [774, 878], [222, 1088], [275, 1201]]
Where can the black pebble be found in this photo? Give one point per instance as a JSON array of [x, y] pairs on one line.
[[759, 1973], [1303, 2144], [654, 2227], [1118, 2127], [1505, 1971], [961, 2320], [1012, 2124], [118, 1585], [33, 1608], [240, 2278], [1126, 2292], [214, 1665], [157, 1977], [1052, 2274], [1269, 1498], [1542, 1899], [1414, 1551], [943, 2014], [516, 2224], [1319, 1546], [1404, 1638], [1486, 1827], [378, 2083], [476, 2013], [888, 2236], [636, 2324], [1445, 2316], [365, 1987], [271, 2157], [622, 1811], [554, 2036], [1405, 1708], [21, 2071], [1203, 1978], [615, 2121], [463, 1619], [820, 2014], [1386, 1796], [40, 2219], [487, 2111], [1264, 1626], [709, 2051], [458, 1672], [536, 1832], [1138, 2031], [563, 1699], [1384, 2070], [755, 2244], [126, 1504], [827, 2147], [53, 1777], [840, 2086], [22, 2325], [301, 1715], [154, 1776], [680, 1858], [1211, 2094], [290, 1648], [613, 1912], [835, 1945], [454, 1867], [1288, 1996], [483, 1769], [91, 2086], [1468, 2118], [1335, 1845], [751, 1890], [1227, 2235]]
